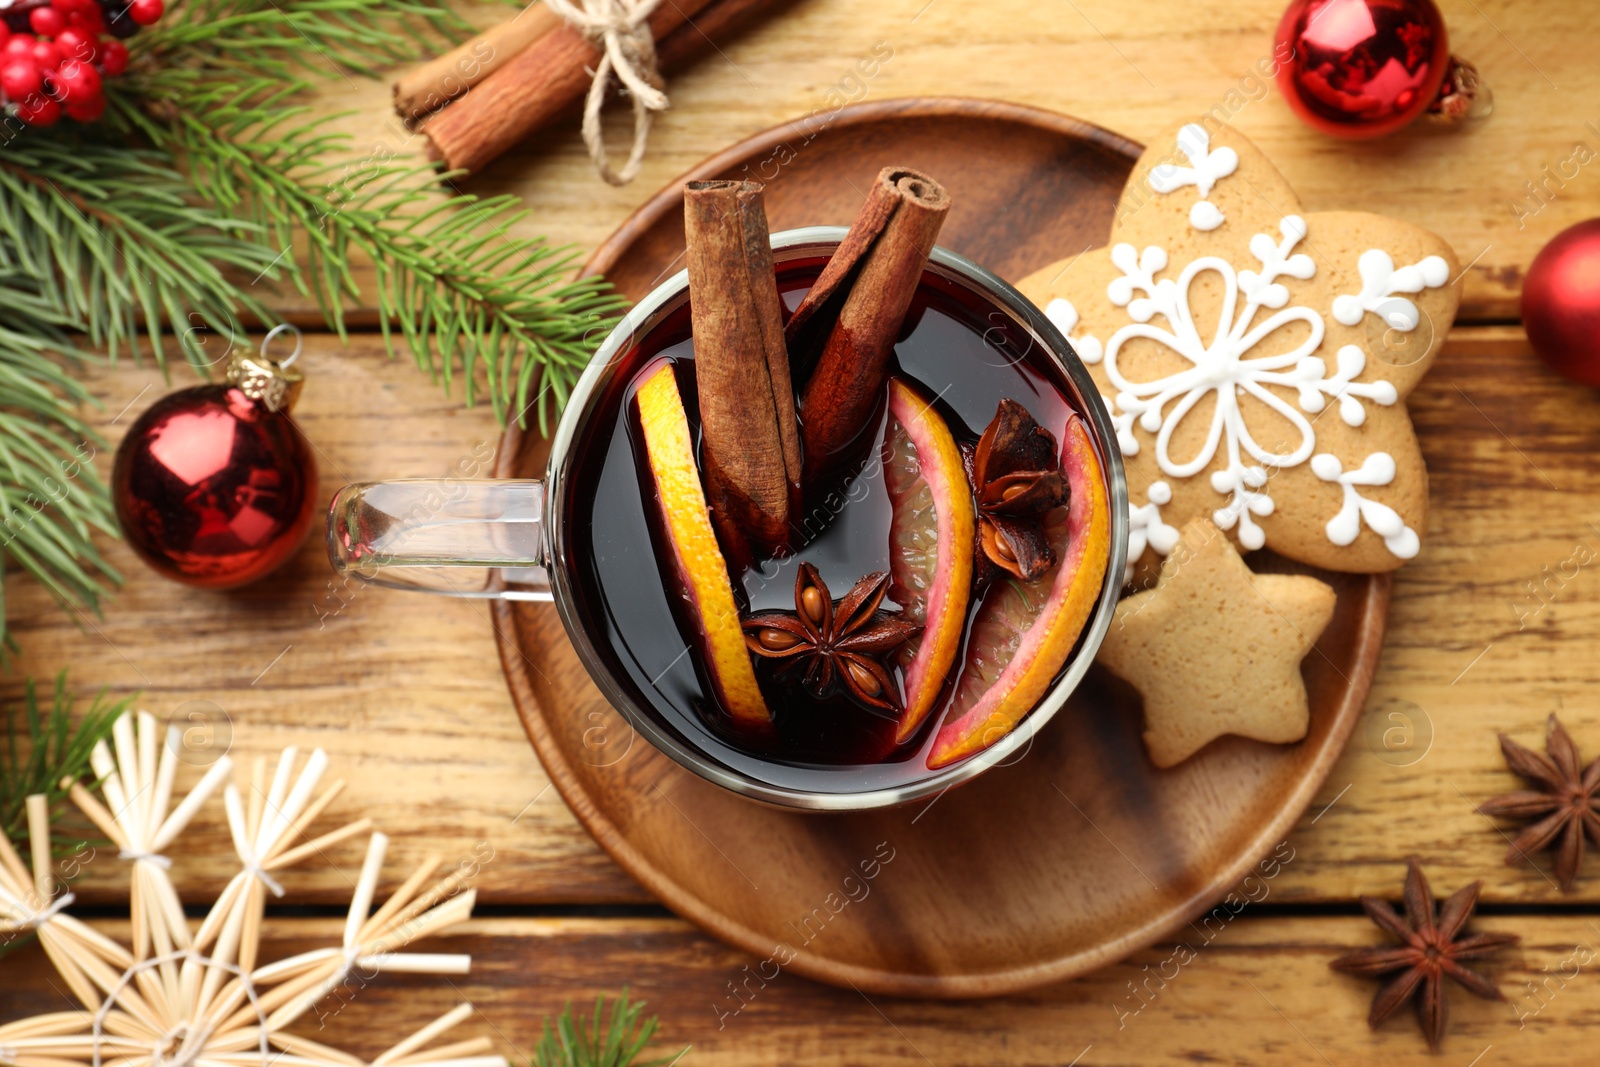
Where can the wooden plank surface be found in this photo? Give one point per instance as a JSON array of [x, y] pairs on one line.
[[1259, 993], [1116, 63], [1491, 628], [407, 696]]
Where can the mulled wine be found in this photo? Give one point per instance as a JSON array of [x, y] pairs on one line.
[[878, 505]]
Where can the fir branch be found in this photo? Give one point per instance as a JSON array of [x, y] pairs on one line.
[[106, 242], [51, 498], [615, 1039], [56, 748], [112, 237], [143, 244], [468, 299], [319, 36]]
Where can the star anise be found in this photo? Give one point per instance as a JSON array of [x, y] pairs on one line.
[[1565, 807], [1016, 477], [1430, 949], [836, 642]]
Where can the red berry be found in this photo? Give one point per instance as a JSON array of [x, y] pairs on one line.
[[77, 83], [46, 54], [77, 44], [87, 111], [47, 21], [146, 12], [39, 111], [113, 57], [20, 46], [20, 79], [92, 19], [5, 31]]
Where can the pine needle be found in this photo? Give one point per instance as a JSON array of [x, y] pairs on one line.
[[214, 85], [56, 748], [150, 230], [617, 1038], [112, 236]]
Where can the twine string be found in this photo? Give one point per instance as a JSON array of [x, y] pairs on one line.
[[136, 855], [38, 919], [180, 956], [620, 30], [253, 869]]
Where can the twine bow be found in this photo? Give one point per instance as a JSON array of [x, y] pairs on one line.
[[619, 29]]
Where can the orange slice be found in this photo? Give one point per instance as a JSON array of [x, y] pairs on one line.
[[700, 565], [930, 544], [1025, 630]]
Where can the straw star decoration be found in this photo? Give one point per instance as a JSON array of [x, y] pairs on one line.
[[181, 998]]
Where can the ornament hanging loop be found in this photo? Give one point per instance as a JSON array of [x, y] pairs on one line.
[[266, 379], [276, 332]]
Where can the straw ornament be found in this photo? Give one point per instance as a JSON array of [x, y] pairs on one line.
[[178, 997]]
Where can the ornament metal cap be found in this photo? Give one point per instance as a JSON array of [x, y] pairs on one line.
[[264, 378], [1464, 95]]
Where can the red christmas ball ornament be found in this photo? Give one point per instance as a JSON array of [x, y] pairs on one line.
[[1561, 303], [1365, 68], [215, 486]]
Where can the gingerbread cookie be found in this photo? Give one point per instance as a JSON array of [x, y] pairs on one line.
[[1256, 359], [1216, 649]]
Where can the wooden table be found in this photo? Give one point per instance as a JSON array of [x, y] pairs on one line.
[[408, 699]]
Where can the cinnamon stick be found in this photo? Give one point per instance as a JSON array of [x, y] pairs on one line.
[[853, 314], [750, 443], [548, 79], [425, 89]]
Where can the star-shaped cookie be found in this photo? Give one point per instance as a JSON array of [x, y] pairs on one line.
[[1256, 358], [1215, 649]]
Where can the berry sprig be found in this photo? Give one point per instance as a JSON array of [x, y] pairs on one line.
[[55, 54]]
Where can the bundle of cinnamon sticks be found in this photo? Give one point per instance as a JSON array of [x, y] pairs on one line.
[[759, 459], [478, 100]]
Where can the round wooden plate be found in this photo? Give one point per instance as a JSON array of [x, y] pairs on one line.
[[1076, 854]]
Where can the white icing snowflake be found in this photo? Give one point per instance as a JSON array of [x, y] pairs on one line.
[[1256, 368], [1218, 366], [1122, 422], [1382, 281], [1310, 377], [1065, 317], [1145, 527], [1229, 366], [1376, 469], [1206, 168]]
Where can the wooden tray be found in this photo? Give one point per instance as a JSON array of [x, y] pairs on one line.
[[1078, 853]]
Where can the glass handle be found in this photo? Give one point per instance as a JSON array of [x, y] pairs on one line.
[[480, 539]]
